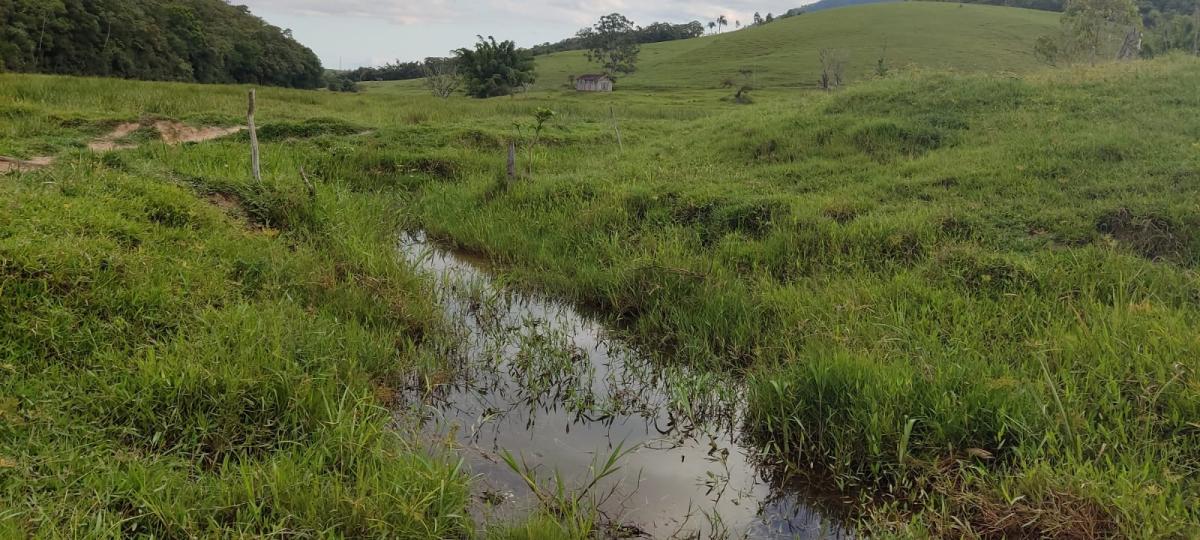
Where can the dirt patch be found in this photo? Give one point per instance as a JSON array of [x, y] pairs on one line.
[[1057, 514], [172, 133], [10, 164], [1152, 237], [440, 168], [227, 203], [111, 141], [233, 207], [843, 212], [178, 133]]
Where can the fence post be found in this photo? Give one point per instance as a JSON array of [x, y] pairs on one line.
[[254, 160], [616, 127], [512, 161]]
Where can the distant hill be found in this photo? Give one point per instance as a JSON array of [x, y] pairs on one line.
[[206, 41], [935, 35]]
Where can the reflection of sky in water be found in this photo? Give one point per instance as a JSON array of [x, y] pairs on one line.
[[541, 381]]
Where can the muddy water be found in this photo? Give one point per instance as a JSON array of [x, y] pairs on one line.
[[540, 380]]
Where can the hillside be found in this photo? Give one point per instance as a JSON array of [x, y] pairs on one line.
[[972, 38], [207, 41]]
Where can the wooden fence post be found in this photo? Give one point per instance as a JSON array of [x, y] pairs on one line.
[[612, 114], [254, 161], [512, 161]]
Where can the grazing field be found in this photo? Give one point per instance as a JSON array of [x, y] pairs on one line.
[[966, 302], [934, 35]]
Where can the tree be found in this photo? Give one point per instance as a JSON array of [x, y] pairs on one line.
[[722, 22], [612, 44], [207, 41], [833, 68], [495, 68], [758, 20], [654, 33], [1092, 29], [1090, 26], [770, 18], [341, 83], [1196, 31], [712, 26], [441, 76]]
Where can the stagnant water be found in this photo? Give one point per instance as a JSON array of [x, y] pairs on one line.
[[543, 382]]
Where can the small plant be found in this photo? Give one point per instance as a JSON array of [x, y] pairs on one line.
[[744, 84], [580, 506], [540, 118], [881, 64]]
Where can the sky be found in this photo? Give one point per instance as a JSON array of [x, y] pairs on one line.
[[350, 33]]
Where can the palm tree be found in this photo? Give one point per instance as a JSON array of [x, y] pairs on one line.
[[712, 26], [722, 21]]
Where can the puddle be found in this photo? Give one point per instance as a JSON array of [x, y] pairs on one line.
[[538, 379]]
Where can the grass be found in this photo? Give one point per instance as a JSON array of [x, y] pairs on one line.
[[173, 369], [993, 277], [971, 297], [930, 35]]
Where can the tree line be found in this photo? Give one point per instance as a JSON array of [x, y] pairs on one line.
[[394, 71], [1163, 25], [654, 33], [206, 41]]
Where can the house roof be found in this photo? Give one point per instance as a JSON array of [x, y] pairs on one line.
[[591, 77]]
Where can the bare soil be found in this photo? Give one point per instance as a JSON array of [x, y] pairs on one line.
[[111, 142], [172, 133], [9, 164], [177, 133]]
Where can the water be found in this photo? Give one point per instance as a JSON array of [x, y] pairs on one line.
[[538, 379]]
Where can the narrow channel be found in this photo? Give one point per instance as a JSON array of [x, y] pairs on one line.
[[536, 378]]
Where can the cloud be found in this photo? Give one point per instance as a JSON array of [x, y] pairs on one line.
[[567, 12]]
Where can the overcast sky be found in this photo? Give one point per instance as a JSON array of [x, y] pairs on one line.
[[352, 33]]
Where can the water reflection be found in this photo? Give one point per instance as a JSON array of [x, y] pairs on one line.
[[537, 378]]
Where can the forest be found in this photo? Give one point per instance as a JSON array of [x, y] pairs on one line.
[[206, 41]]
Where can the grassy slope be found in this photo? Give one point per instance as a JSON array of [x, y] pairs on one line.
[[926, 34], [170, 369], [913, 274]]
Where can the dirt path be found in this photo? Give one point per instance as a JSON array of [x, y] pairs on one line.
[[176, 133], [10, 164], [110, 142], [171, 133]]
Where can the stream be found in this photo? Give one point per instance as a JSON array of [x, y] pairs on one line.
[[547, 384]]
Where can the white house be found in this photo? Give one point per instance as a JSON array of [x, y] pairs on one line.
[[593, 83]]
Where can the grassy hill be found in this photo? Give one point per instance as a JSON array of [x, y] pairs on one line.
[[974, 38]]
